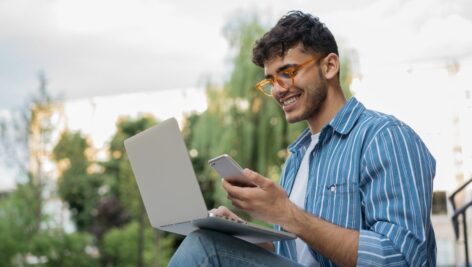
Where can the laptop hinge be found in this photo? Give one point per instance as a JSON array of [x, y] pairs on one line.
[[172, 224]]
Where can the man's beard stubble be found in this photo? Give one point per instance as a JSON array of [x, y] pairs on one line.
[[315, 102]]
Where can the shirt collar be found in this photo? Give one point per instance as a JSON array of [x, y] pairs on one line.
[[303, 139], [342, 123], [347, 117]]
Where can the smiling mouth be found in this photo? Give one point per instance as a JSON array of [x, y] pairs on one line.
[[289, 101]]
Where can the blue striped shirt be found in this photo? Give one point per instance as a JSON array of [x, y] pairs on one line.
[[372, 173]]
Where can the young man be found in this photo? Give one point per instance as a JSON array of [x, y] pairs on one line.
[[357, 187]]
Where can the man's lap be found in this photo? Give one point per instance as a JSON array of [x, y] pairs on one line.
[[210, 248]]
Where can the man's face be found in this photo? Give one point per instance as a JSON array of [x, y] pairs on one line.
[[303, 99]]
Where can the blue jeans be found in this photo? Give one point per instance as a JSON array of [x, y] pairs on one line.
[[210, 248]]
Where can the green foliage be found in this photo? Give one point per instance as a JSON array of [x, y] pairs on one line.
[[120, 247], [72, 147], [77, 186], [20, 239], [57, 249], [346, 78], [25, 239], [105, 199], [17, 224]]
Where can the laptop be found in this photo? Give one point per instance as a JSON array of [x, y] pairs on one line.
[[170, 191]]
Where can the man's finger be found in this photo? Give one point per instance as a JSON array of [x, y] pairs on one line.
[[233, 191], [256, 178], [225, 212], [238, 204], [231, 197]]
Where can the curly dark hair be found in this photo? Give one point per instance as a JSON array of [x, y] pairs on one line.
[[291, 29]]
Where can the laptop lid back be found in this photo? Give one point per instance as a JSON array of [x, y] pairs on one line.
[[165, 175]]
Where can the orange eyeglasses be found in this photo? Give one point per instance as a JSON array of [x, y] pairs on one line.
[[285, 78]]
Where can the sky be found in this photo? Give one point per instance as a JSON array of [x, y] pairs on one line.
[[412, 58], [105, 47]]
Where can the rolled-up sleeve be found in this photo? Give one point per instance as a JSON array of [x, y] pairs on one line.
[[396, 191]]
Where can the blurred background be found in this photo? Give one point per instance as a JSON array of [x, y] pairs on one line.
[[79, 77]]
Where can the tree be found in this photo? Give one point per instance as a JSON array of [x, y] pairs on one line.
[[124, 186], [77, 186], [104, 198], [120, 244], [17, 224], [54, 248], [26, 234], [21, 242]]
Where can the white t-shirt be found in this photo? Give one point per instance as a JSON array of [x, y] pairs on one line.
[[297, 196]]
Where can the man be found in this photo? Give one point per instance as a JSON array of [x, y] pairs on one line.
[[357, 186]]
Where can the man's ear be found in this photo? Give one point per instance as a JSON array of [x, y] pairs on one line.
[[331, 66]]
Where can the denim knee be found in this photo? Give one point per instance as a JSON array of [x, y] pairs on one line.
[[196, 248]]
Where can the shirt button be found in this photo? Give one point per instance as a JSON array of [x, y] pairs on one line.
[[332, 188]]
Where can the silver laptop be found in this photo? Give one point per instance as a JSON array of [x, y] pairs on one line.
[[170, 191]]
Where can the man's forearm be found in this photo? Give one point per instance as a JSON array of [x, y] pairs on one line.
[[336, 243]]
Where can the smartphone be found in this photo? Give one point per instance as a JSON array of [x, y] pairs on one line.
[[230, 170]]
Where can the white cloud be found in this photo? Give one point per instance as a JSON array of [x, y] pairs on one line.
[[97, 117], [92, 48]]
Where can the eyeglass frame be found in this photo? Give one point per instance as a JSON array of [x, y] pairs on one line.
[[291, 71]]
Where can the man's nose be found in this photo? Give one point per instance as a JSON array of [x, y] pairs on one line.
[[278, 90]]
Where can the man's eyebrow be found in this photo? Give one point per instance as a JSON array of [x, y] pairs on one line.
[[286, 66], [281, 68]]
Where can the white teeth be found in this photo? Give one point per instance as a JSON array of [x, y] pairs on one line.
[[290, 101]]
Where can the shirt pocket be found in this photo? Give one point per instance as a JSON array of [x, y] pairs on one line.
[[339, 204], [341, 188]]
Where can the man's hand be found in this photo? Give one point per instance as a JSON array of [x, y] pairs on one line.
[[265, 202], [224, 211], [269, 202]]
